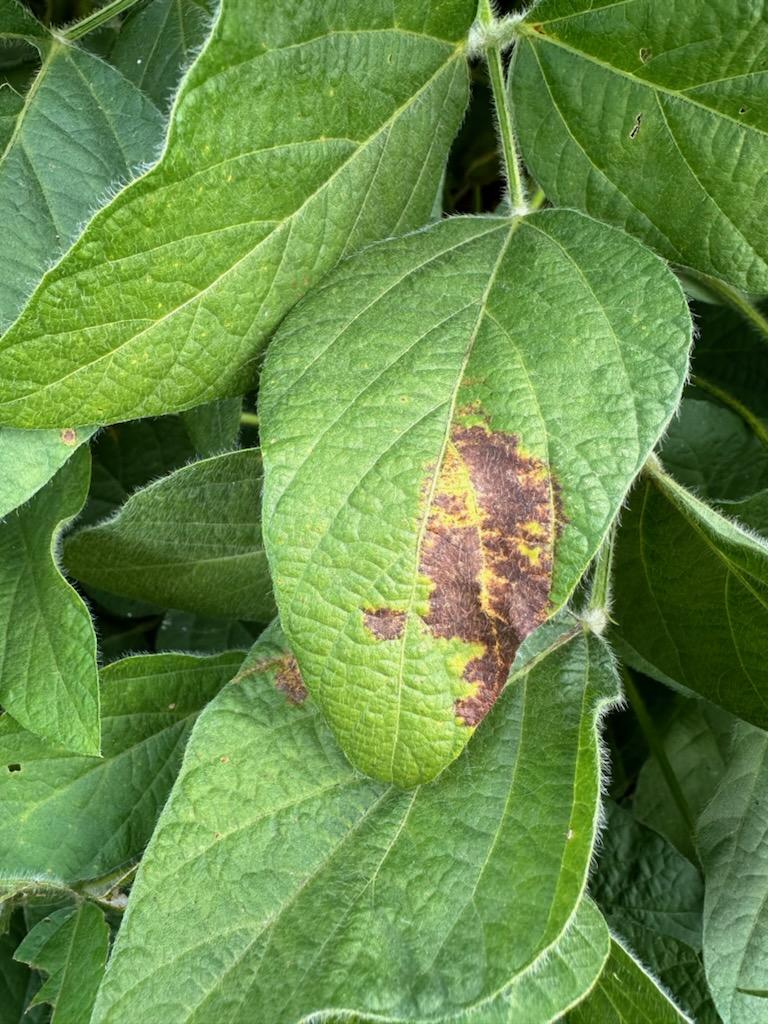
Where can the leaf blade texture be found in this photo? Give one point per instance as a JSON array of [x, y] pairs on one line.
[[191, 540], [336, 859], [181, 279], [432, 423], [678, 151], [48, 673]]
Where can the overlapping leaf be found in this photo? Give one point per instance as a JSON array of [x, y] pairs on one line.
[[64, 818], [692, 597], [192, 540], [733, 841], [655, 118], [168, 297], [280, 882], [436, 420], [29, 458], [48, 676]]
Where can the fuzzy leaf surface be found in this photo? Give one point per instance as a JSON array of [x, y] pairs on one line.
[[733, 842], [48, 675], [70, 946], [65, 818], [283, 882], [192, 541], [434, 422], [169, 296], [672, 546], [29, 458], [672, 144]]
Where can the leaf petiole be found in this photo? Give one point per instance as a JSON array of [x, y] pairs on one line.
[[95, 20]]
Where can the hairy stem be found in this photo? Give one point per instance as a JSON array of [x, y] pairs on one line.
[[600, 593], [100, 17]]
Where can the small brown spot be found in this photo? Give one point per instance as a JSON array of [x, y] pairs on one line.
[[645, 54], [539, 28], [288, 680], [69, 437], [488, 551], [224, 759], [384, 623], [636, 128]]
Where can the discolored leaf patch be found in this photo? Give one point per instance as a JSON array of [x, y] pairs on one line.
[[384, 623], [487, 550], [288, 680]]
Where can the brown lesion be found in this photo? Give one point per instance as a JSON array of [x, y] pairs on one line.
[[384, 623], [288, 680], [487, 550], [68, 437]]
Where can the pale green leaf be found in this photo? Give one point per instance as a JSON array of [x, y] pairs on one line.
[[691, 597], [192, 540], [733, 843], [29, 458], [654, 117], [280, 881], [482, 378], [626, 994], [66, 818], [169, 296], [695, 744], [48, 676], [71, 947]]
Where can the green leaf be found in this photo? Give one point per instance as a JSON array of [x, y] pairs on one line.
[[626, 994], [695, 744], [691, 597], [654, 118], [192, 540], [184, 631], [48, 676], [15, 978], [16, 22], [71, 947], [652, 897], [282, 880], [29, 458], [733, 843], [418, 406], [731, 359], [169, 296], [214, 427], [68, 818], [157, 41]]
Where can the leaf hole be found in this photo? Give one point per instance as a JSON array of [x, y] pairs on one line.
[[743, 110], [645, 54], [636, 127], [14, 767]]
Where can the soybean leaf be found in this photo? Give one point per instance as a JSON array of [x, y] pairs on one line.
[[167, 299], [184, 631], [733, 842], [671, 546], [285, 883], [156, 43], [626, 994], [67, 818], [192, 540], [48, 676], [652, 897], [71, 947], [16, 22], [673, 142], [731, 359], [29, 458], [433, 489], [214, 427], [695, 744], [15, 978]]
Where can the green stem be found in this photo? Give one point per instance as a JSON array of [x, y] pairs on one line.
[[657, 748], [600, 593], [754, 423], [741, 303], [509, 153], [249, 419], [100, 17]]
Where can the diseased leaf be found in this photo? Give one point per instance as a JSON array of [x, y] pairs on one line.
[[167, 299], [652, 897], [48, 676], [434, 419], [733, 843], [71, 947], [654, 118], [65, 818], [192, 540], [691, 597], [626, 994], [29, 458], [281, 880], [695, 744], [156, 43]]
